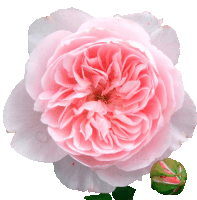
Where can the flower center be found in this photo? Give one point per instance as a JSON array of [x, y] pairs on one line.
[[98, 96]]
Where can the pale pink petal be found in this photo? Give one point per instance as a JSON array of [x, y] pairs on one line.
[[117, 177], [63, 19], [79, 177], [178, 88], [166, 40], [37, 64], [51, 116], [165, 66], [92, 162], [148, 21], [127, 29], [70, 19], [38, 30], [31, 138], [183, 123], [154, 149], [185, 119]]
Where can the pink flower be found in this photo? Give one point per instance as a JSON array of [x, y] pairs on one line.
[[101, 98]]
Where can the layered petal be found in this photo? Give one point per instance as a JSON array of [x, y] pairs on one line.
[[166, 40], [76, 125], [79, 177], [163, 37], [154, 149], [120, 178], [165, 68], [31, 138], [37, 64], [129, 30], [185, 119], [171, 87], [63, 19], [145, 19]]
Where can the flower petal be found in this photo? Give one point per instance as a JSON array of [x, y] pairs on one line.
[[166, 71], [119, 178], [185, 119], [37, 64], [64, 19], [166, 40], [79, 177], [148, 21], [31, 138], [154, 149], [127, 29], [178, 87]]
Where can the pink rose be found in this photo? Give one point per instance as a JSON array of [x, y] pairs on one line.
[[101, 98]]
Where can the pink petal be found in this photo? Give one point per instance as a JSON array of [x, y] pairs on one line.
[[148, 21], [51, 116], [185, 119], [127, 29], [154, 149], [161, 94], [165, 66], [70, 19], [117, 177], [92, 162], [166, 40], [178, 88], [37, 64], [64, 19], [31, 138], [79, 177]]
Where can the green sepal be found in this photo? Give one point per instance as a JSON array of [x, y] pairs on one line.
[[178, 190], [102, 196], [167, 189], [162, 188], [183, 174], [123, 193]]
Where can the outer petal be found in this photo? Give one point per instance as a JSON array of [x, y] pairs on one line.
[[166, 40], [179, 92], [154, 149], [37, 63], [166, 72], [129, 30], [64, 19], [185, 119], [148, 21], [79, 177], [117, 177], [31, 138]]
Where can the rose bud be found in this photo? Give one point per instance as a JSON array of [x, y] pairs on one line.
[[168, 177]]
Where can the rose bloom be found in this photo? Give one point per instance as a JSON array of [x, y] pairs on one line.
[[101, 98]]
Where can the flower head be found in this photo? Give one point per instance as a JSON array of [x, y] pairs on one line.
[[105, 95]]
